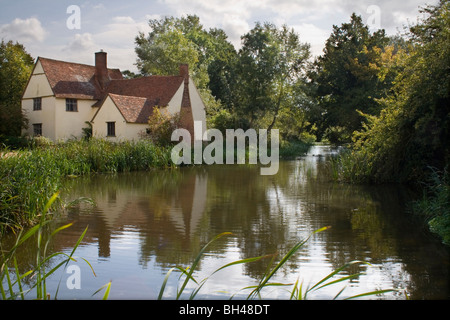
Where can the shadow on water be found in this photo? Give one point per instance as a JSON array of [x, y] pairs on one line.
[[143, 223]]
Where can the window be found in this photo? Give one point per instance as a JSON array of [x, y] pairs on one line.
[[37, 104], [71, 105], [37, 129], [111, 129]]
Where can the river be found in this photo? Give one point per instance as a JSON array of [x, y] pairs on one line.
[[141, 224]]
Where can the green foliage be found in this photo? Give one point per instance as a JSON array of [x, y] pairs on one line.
[[412, 131], [87, 131], [435, 204], [347, 76], [269, 68], [15, 68], [174, 41], [294, 148], [222, 120], [161, 126], [336, 135], [257, 87], [161, 53]]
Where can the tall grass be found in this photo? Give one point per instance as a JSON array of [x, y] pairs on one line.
[[12, 289], [294, 148], [350, 167], [435, 204], [12, 284], [30, 176]]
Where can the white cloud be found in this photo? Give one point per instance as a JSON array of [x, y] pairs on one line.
[[117, 39], [121, 32], [313, 35], [235, 26], [80, 43], [99, 6], [27, 30]]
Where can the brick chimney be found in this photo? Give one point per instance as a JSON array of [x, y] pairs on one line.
[[184, 71], [101, 69]]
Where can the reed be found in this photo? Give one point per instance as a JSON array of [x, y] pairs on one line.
[[293, 149], [13, 289], [30, 176], [434, 205], [350, 167]]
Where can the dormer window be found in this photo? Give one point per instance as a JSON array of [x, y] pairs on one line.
[[71, 105]]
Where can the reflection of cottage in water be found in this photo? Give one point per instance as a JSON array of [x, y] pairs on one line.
[[156, 207]]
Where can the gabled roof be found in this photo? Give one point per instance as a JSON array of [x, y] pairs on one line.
[[133, 109], [74, 80], [158, 90]]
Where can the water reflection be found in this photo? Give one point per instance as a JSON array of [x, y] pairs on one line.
[[144, 223]]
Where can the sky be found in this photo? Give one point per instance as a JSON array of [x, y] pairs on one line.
[[73, 31]]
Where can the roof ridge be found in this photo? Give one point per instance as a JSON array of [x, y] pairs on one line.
[[70, 62], [125, 95], [147, 77]]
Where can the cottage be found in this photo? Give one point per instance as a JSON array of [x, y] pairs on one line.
[[61, 97]]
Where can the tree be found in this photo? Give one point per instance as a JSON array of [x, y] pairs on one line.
[[162, 53], [221, 69], [15, 68], [270, 64], [347, 75], [184, 40], [412, 132]]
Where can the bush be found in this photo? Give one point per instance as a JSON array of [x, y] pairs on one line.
[[336, 135], [435, 204], [293, 148], [14, 142], [161, 126]]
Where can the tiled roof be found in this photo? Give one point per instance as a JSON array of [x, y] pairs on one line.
[[133, 109], [158, 90], [155, 90], [74, 80]]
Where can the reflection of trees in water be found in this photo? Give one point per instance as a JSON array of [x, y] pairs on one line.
[[175, 212]]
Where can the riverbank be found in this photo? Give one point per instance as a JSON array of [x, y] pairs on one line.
[[434, 205], [29, 177]]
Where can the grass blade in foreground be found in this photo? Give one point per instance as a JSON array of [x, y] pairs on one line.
[[265, 280]]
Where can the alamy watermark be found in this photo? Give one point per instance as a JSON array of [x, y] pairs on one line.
[[74, 20], [74, 280], [374, 20], [234, 144]]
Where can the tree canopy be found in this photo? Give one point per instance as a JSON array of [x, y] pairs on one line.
[[15, 68], [410, 136], [347, 75]]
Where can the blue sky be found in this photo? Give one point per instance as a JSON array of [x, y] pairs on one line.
[[112, 25]]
